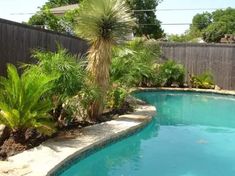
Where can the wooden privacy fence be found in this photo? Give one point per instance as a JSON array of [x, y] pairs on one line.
[[18, 40], [197, 58]]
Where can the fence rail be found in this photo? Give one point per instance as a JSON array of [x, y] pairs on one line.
[[18, 40], [197, 58]]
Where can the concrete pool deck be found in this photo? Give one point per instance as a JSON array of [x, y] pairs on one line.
[[50, 155]]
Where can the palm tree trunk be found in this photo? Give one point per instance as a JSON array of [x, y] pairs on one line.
[[98, 67]]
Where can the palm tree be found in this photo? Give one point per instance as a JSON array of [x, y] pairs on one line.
[[104, 23]]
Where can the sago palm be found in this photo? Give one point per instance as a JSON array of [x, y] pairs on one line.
[[23, 103], [104, 23]]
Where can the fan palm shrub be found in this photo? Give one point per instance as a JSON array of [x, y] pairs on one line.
[[23, 101], [104, 23], [70, 81], [68, 67]]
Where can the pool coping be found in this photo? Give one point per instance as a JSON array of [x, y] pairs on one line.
[[55, 153], [221, 91]]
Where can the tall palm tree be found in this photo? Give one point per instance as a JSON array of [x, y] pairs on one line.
[[104, 23]]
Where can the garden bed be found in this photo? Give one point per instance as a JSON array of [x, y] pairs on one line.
[[66, 145]]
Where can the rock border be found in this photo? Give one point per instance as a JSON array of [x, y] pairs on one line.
[[51, 156], [221, 92]]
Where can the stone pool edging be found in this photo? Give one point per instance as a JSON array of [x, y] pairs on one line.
[[51, 155], [222, 92]]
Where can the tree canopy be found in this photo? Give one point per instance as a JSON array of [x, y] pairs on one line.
[[148, 24], [60, 24], [213, 26]]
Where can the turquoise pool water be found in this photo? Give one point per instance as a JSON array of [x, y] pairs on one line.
[[193, 134]]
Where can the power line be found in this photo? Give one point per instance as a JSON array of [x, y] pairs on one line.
[[191, 9], [141, 10]]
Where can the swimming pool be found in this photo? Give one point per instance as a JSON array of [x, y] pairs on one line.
[[193, 134]]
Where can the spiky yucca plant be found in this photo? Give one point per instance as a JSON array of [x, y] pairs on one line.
[[23, 103], [104, 23]]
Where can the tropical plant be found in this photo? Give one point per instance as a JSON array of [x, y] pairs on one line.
[[170, 72], [23, 103], [116, 96], [69, 68], [78, 107], [204, 81], [134, 64], [70, 81], [104, 23]]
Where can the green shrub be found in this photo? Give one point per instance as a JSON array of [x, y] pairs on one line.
[[79, 106], [204, 81], [170, 72], [23, 101], [133, 65], [70, 70], [116, 97]]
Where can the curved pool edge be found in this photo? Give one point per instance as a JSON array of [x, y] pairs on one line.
[[52, 155], [221, 92], [141, 117]]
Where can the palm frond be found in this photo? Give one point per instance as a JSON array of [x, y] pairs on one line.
[[109, 20]]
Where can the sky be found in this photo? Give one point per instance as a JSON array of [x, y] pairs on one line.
[[21, 10]]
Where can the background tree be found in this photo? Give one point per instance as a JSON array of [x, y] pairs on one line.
[[213, 26], [60, 24], [104, 23], [199, 23], [223, 22], [148, 24]]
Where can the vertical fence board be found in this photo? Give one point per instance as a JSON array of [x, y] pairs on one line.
[[18, 40], [198, 58]]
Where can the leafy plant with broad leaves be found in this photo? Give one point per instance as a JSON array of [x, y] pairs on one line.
[[171, 72], [204, 80], [23, 103], [116, 96]]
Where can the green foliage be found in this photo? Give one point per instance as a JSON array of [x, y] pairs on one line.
[[64, 64], [23, 103], [215, 32], [116, 97], [148, 24], [58, 3], [201, 21], [80, 105], [63, 24], [170, 72], [108, 20], [213, 26], [204, 81], [135, 64], [179, 38]]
